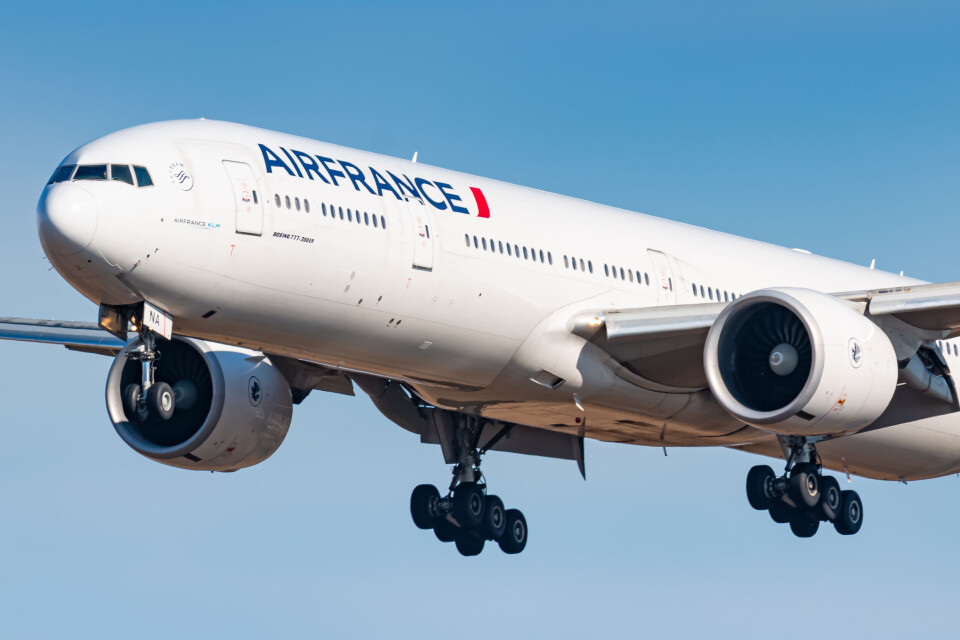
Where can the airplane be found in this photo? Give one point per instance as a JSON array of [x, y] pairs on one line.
[[236, 270]]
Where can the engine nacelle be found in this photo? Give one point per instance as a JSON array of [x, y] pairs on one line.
[[235, 413], [799, 362]]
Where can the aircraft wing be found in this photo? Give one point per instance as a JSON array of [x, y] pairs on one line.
[[930, 307], [663, 346], [77, 336]]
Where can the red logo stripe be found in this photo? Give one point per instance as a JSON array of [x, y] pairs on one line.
[[481, 202]]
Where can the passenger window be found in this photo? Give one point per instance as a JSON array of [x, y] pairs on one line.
[[374, 216], [590, 265], [323, 207], [606, 270], [646, 278], [670, 282], [296, 201], [466, 238], [703, 292], [255, 200], [91, 172], [582, 265], [525, 252], [276, 199], [710, 292], [63, 174], [500, 246], [622, 274], [630, 273], [366, 219], [349, 215], [483, 241], [509, 252], [574, 260], [726, 297], [143, 176], [341, 212], [541, 255], [427, 227], [549, 257], [566, 262], [306, 205], [694, 288], [383, 222], [476, 245], [121, 173], [286, 200]]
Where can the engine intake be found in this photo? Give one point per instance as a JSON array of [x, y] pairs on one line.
[[233, 406], [796, 361]]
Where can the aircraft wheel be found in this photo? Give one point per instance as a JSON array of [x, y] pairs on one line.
[[445, 530], [850, 518], [468, 505], [780, 512], [131, 402], [469, 544], [423, 505], [494, 518], [803, 526], [160, 400], [514, 538], [805, 485], [759, 487], [832, 499]]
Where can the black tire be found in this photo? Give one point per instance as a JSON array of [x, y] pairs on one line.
[[445, 530], [468, 505], [850, 518], [131, 402], [514, 538], [805, 485], [160, 400], [803, 526], [759, 487], [781, 512], [469, 544], [494, 518], [831, 499], [423, 505]]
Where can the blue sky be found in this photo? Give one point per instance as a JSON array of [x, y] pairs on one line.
[[834, 129]]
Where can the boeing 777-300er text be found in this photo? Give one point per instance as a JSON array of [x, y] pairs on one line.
[[237, 269]]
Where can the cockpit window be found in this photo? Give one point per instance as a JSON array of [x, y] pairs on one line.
[[121, 172], [91, 172], [62, 174], [143, 176]]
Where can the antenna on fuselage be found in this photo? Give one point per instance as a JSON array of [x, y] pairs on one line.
[[414, 156]]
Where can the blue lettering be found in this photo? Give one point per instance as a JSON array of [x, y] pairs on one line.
[[382, 184], [299, 175], [270, 160], [326, 162], [439, 204], [408, 186], [355, 176], [309, 164], [443, 186]]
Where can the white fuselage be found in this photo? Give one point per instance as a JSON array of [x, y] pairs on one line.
[[459, 304]]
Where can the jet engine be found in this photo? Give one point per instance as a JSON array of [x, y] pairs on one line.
[[799, 362], [232, 409]]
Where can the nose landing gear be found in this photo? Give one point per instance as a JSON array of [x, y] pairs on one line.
[[803, 496], [468, 514], [150, 397]]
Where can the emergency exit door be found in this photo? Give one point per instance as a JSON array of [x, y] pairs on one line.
[[246, 195], [424, 234], [666, 291]]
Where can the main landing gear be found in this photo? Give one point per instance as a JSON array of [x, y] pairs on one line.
[[150, 397], [468, 515], [803, 496]]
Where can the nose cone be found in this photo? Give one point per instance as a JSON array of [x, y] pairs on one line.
[[66, 219]]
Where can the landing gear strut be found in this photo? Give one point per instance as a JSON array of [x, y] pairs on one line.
[[150, 397], [803, 496], [468, 514]]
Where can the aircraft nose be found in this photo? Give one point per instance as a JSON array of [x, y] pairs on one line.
[[66, 218]]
